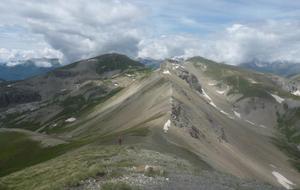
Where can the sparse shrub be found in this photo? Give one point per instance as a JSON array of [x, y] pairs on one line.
[[152, 172]]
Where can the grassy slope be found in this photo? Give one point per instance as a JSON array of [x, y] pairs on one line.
[[77, 107], [18, 151], [238, 79], [288, 126], [70, 169], [111, 62]]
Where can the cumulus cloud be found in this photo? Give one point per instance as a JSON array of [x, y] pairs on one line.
[[13, 55], [169, 46], [79, 29], [269, 41], [239, 43], [75, 29]]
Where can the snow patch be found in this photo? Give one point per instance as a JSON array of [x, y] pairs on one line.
[[209, 99], [296, 93], [166, 72], [213, 104], [223, 112], [277, 98], [250, 122], [212, 84], [283, 180], [167, 126], [263, 126], [70, 120], [252, 81], [237, 114], [231, 117], [221, 91], [205, 95], [175, 66]]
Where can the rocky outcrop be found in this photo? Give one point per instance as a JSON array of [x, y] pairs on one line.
[[219, 130], [190, 79], [17, 96], [181, 119]]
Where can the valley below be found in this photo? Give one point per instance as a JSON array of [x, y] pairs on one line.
[[109, 122]]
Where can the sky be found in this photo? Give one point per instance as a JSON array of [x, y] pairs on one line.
[[229, 31]]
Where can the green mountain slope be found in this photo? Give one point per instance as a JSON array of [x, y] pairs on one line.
[[195, 120]]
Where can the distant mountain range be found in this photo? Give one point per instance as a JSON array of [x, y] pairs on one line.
[[149, 62], [22, 69], [192, 122], [283, 68]]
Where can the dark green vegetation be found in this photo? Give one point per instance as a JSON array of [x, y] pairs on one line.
[[288, 124], [90, 161], [290, 149], [18, 151], [15, 120], [110, 62]]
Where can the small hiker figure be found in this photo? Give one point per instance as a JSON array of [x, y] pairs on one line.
[[120, 140]]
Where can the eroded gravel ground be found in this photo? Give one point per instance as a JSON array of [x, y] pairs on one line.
[[205, 181], [177, 174]]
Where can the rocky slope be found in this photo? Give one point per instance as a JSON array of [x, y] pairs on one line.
[[193, 120]]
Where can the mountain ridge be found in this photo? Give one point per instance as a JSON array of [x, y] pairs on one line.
[[208, 114], [282, 68]]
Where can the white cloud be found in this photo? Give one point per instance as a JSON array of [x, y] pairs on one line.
[[76, 28], [169, 46], [267, 41], [13, 55]]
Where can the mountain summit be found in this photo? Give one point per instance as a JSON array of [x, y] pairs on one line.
[[110, 122]]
